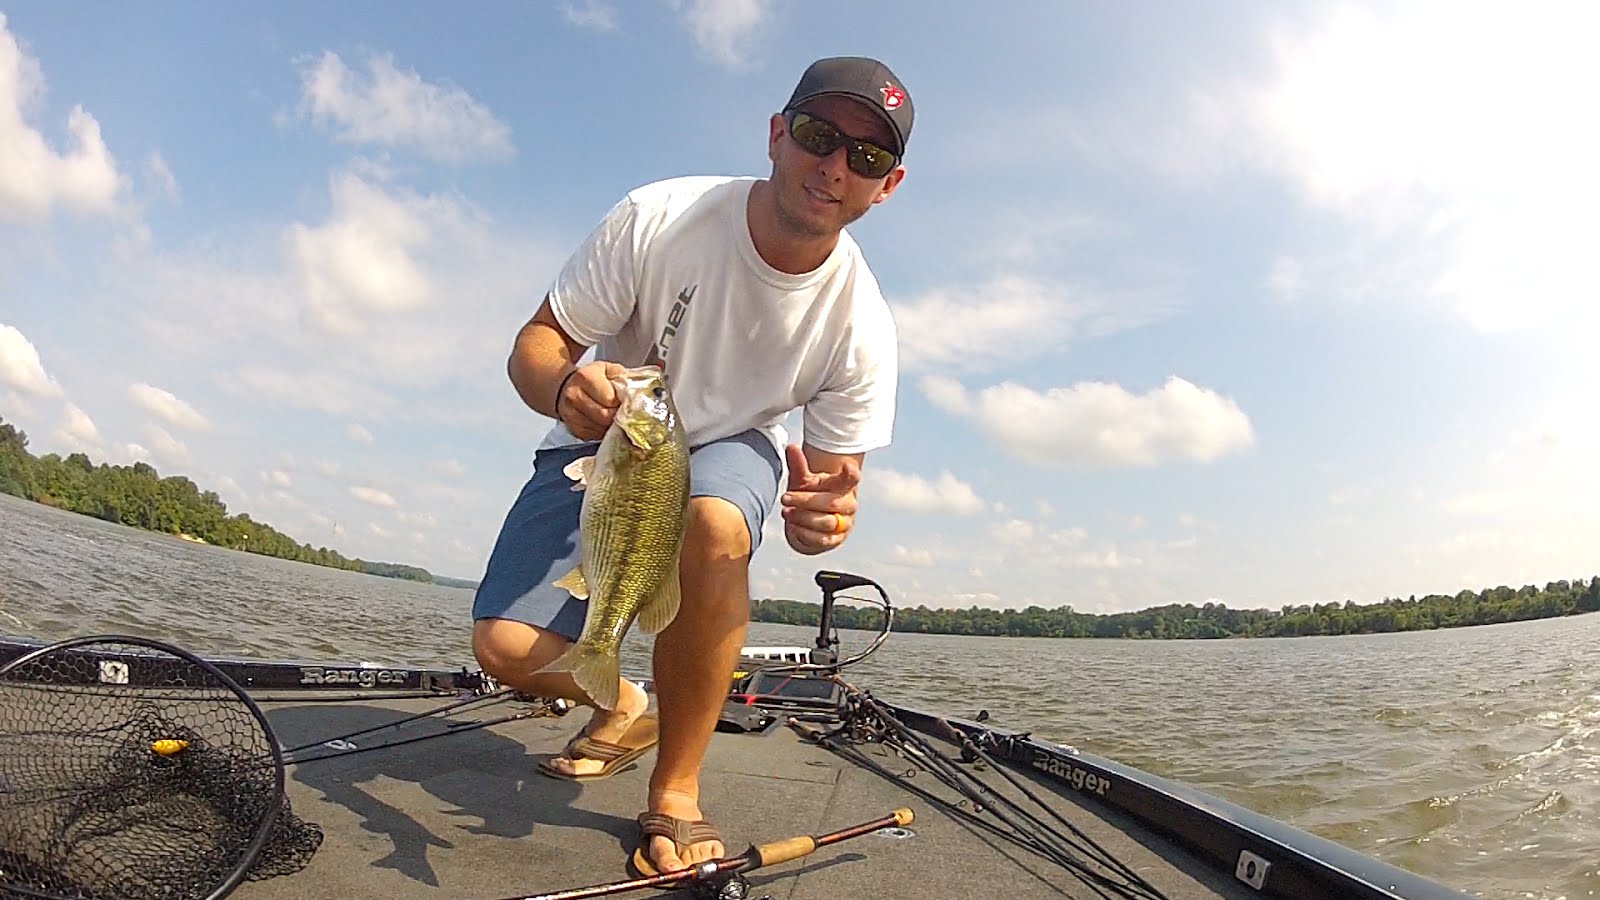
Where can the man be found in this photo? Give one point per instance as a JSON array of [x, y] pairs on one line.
[[756, 302]]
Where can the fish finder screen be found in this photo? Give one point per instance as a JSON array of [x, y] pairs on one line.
[[783, 686]]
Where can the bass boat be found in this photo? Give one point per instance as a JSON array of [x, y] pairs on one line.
[[131, 768]]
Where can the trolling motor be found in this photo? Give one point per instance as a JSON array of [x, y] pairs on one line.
[[813, 686], [828, 637]]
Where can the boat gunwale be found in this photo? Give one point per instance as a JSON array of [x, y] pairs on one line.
[[1303, 865]]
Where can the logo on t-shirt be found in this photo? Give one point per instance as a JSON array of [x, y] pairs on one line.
[[662, 348]]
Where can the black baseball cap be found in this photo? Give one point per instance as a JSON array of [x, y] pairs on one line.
[[865, 79]]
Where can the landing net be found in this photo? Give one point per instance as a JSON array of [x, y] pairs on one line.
[[133, 769]]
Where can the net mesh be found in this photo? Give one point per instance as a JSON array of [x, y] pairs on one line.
[[132, 769]]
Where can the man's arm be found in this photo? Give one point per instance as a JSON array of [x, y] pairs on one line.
[[541, 356]]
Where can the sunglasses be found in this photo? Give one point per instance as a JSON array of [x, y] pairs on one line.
[[820, 137]]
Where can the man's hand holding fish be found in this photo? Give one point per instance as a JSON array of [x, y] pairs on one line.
[[586, 399]]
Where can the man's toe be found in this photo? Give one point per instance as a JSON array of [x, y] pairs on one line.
[[665, 856], [705, 851]]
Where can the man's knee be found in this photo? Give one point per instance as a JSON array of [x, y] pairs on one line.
[[717, 533], [506, 648]]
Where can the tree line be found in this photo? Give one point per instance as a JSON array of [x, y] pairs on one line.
[[1216, 620], [138, 496]]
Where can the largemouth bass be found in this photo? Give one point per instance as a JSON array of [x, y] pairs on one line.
[[635, 505]]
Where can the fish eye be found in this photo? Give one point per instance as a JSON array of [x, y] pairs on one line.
[[659, 392]]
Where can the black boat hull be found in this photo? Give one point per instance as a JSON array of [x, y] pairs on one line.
[[1287, 861]]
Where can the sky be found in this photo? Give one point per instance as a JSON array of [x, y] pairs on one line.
[[1253, 303]]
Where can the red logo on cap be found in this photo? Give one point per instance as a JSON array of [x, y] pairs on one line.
[[892, 96]]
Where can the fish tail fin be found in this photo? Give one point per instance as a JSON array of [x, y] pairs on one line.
[[597, 673]]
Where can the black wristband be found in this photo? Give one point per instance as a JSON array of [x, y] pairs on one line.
[[562, 389]]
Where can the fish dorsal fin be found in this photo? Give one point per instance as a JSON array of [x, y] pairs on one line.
[[660, 609], [575, 583], [580, 471]]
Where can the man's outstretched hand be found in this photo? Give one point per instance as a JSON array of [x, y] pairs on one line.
[[818, 507]]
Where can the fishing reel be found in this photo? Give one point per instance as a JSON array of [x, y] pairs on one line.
[[734, 887]]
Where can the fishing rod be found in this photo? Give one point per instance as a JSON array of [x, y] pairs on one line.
[[754, 858], [866, 721]]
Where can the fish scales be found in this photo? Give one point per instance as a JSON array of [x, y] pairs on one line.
[[634, 546], [630, 530]]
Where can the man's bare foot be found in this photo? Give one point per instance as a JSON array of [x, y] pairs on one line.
[[661, 852], [632, 702]]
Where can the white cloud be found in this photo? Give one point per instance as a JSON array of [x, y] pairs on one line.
[[163, 405], [166, 448], [278, 478], [233, 496], [1013, 531], [1105, 559], [79, 429], [357, 433], [161, 177], [592, 14], [320, 390], [20, 366], [390, 267], [417, 520], [372, 496], [1004, 320], [34, 178], [1482, 173], [360, 263], [14, 405], [350, 309], [906, 556], [723, 28], [1021, 533], [395, 107], [210, 301], [946, 493], [1093, 425]]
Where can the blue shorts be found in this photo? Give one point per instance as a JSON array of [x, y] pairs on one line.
[[538, 542]]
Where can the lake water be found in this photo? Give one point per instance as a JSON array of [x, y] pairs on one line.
[[1471, 755]]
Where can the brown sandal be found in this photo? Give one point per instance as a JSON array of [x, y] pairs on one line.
[[644, 733], [681, 832]]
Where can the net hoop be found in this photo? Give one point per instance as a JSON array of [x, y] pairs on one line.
[[251, 850]]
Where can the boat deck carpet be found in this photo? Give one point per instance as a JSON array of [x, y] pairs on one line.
[[468, 815]]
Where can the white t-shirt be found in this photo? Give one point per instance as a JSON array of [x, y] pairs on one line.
[[671, 276]]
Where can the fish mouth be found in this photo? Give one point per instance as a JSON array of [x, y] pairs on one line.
[[637, 379]]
